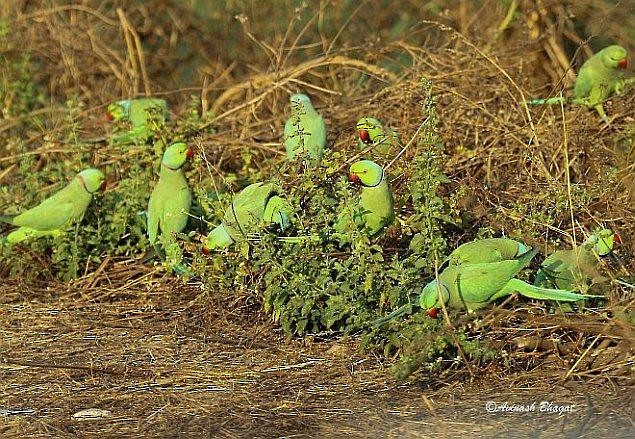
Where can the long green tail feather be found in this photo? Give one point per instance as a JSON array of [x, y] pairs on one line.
[[533, 292], [548, 101], [403, 310]]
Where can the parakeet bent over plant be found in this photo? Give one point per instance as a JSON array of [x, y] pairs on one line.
[[487, 250], [259, 203], [474, 286], [599, 78], [171, 198], [53, 215], [577, 268], [305, 129], [371, 132], [375, 209], [139, 113]]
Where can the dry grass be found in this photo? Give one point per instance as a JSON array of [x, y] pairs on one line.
[[170, 359]]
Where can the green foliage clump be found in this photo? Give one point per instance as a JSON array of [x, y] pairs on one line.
[[313, 280], [426, 344]]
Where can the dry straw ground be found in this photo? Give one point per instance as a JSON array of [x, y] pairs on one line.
[[172, 360]]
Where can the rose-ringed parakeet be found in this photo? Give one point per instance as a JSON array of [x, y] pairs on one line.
[[258, 203], [144, 116], [475, 286], [305, 130], [577, 268], [171, 198], [53, 215], [371, 133], [599, 78], [375, 209], [487, 250]]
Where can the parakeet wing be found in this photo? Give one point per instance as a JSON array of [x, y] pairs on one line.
[[48, 215]]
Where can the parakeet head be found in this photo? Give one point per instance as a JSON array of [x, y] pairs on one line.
[[615, 57], [300, 102], [118, 111], [366, 173], [92, 180], [176, 155], [603, 241], [430, 295], [370, 130], [217, 239]]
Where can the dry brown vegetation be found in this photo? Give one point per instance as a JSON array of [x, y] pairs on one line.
[[173, 360]]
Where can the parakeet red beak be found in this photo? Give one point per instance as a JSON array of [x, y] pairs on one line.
[[103, 185], [190, 153], [354, 178], [364, 136], [623, 64], [109, 117], [205, 250], [433, 313], [617, 239]]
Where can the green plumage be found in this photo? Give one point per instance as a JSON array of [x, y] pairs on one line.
[[53, 215], [576, 268], [171, 198], [487, 250], [259, 203], [473, 286], [375, 209], [599, 78], [144, 116], [371, 133], [305, 130]]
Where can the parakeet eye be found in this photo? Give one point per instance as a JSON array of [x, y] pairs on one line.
[[354, 178], [623, 63], [433, 313], [364, 136]]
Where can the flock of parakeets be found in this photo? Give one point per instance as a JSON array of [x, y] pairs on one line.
[[474, 275]]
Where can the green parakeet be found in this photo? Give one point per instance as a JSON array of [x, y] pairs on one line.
[[142, 114], [258, 203], [487, 250], [474, 286], [371, 132], [576, 268], [375, 209], [599, 78], [305, 129], [52, 216], [171, 198]]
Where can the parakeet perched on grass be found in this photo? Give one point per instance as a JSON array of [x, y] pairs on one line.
[[305, 129], [52, 216], [475, 286], [487, 250], [577, 268], [375, 209], [144, 115], [171, 198], [599, 78], [259, 203], [371, 132]]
